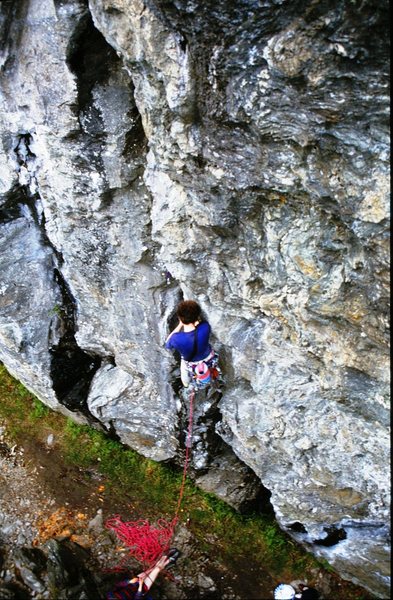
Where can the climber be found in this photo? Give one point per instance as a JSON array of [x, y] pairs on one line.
[[191, 339], [138, 587]]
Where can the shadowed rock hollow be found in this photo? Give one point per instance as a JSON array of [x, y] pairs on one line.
[[231, 152]]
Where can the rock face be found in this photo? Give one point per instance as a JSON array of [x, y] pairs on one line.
[[234, 152], [57, 569]]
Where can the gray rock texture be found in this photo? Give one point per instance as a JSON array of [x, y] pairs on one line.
[[234, 152]]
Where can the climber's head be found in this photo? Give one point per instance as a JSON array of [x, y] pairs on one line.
[[188, 311]]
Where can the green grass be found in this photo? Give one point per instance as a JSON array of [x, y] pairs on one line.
[[157, 487], [125, 469], [39, 409], [154, 488], [157, 484]]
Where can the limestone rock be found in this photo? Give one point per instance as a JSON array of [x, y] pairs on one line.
[[137, 414], [231, 481], [235, 153]]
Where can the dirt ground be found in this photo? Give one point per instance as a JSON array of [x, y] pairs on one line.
[[51, 499]]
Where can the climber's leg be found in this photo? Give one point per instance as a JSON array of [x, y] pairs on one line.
[[185, 377]]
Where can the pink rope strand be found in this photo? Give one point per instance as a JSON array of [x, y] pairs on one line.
[[187, 457]]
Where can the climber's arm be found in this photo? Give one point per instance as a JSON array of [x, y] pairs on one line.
[[176, 330]]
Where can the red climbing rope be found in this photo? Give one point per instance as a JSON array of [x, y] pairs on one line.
[[187, 457], [147, 542]]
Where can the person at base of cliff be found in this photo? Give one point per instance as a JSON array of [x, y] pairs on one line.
[[190, 338], [138, 587], [284, 592], [288, 592]]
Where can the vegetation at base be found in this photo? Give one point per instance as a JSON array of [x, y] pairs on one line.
[[153, 488]]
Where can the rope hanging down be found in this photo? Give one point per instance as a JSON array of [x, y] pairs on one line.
[[148, 542]]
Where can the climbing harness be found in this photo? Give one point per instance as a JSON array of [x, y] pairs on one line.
[[204, 372], [201, 373], [147, 542]]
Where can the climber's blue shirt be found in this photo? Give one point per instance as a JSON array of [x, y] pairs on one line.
[[184, 342]]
